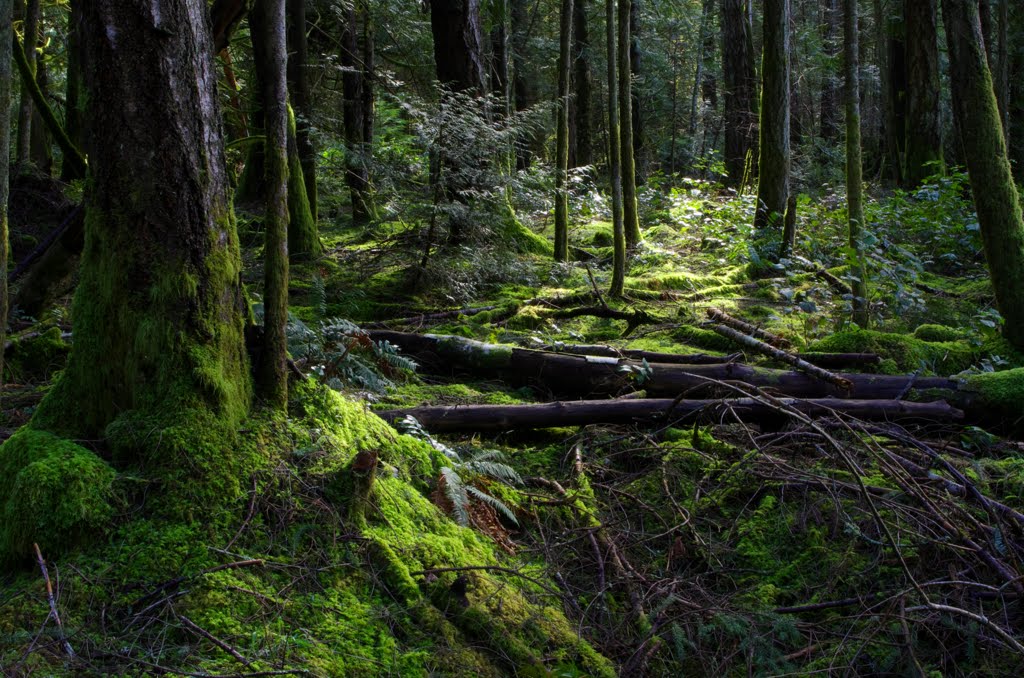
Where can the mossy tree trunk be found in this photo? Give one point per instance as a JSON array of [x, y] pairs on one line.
[[984, 146], [298, 87], [159, 307], [740, 80], [773, 163], [303, 236], [630, 216], [854, 170], [614, 157], [272, 371], [636, 76], [1015, 105], [357, 88], [923, 156], [562, 136], [6, 40]]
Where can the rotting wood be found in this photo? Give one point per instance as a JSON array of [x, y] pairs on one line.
[[566, 375], [491, 418], [724, 318], [788, 358], [819, 359]]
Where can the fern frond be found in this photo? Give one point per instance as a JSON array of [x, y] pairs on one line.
[[490, 469], [455, 490], [494, 502]]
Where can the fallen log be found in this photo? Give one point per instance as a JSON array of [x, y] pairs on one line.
[[745, 327], [582, 376], [492, 418], [832, 360], [427, 317], [633, 318], [780, 355]]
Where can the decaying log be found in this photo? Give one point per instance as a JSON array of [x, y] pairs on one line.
[[745, 327], [491, 418], [582, 376], [780, 355], [832, 360], [428, 317]]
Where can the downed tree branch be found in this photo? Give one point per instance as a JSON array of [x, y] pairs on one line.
[[573, 375], [745, 327], [428, 317], [53, 603], [780, 355], [633, 318], [491, 418], [820, 359]]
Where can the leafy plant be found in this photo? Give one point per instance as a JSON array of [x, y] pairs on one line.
[[457, 480]]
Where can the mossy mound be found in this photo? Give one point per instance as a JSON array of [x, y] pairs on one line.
[[935, 333], [53, 492], [336, 563], [903, 353], [999, 396]]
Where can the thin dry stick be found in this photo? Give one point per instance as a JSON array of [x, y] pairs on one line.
[[53, 603], [721, 316], [200, 631]]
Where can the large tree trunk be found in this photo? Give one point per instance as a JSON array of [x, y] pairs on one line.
[[738, 72], [830, 83], [455, 25], [72, 92], [6, 39], [562, 135], [298, 88], [636, 75], [272, 370], [773, 165], [854, 169], [661, 411], [981, 134], [896, 91], [1015, 105], [923, 155], [30, 22], [524, 82], [159, 308]]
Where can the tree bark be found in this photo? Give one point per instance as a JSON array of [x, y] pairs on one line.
[[354, 83], [636, 77], [773, 164], [30, 22], [272, 371], [455, 25], [923, 155], [740, 79], [630, 216], [69, 171], [6, 46], [615, 157], [524, 88], [854, 169], [299, 93], [830, 121], [562, 136], [981, 134], [581, 148], [159, 307], [663, 411]]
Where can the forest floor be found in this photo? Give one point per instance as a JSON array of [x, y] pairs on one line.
[[749, 536]]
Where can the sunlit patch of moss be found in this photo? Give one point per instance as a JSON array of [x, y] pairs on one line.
[[411, 395], [907, 353]]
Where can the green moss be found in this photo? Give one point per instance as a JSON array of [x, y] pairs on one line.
[[907, 353], [36, 358], [53, 492], [939, 333], [701, 338], [303, 238], [998, 395]]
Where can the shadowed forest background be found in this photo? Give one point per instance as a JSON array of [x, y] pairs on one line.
[[512, 337]]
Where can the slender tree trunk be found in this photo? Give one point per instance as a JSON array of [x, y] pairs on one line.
[[272, 372], [636, 78], [923, 155], [298, 88], [72, 91], [6, 38], [562, 138], [1015, 106], [41, 153], [159, 306], [614, 156], [581, 123], [854, 172], [630, 217], [357, 148], [30, 19], [1002, 73], [829, 82], [773, 165], [995, 195], [741, 117], [889, 23], [523, 81], [499, 56]]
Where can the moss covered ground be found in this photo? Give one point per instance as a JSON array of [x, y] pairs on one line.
[[327, 543]]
